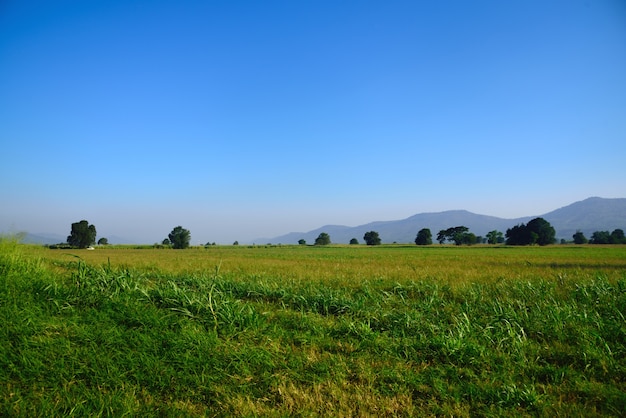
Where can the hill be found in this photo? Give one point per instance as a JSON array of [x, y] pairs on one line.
[[590, 215]]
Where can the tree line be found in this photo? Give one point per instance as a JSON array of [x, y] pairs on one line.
[[538, 231]]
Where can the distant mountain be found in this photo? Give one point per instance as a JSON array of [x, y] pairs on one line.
[[47, 239], [44, 239], [590, 215]]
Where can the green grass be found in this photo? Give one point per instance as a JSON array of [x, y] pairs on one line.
[[338, 331]]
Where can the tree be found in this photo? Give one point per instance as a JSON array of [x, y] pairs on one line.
[[537, 231], [545, 232], [494, 237], [103, 241], [617, 237], [236, 243], [82, 235], [166, 241], [301, 242], [518, 235], [467, 238], [180, 238], [579, 238], [441, 236], [458, 234], [424, 237], [371, 238], [354, 241], [322, 239], [600, 237]]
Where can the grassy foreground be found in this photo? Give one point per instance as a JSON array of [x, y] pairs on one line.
[[307, 331]]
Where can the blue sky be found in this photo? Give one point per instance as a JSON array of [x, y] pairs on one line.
[[241, 119]]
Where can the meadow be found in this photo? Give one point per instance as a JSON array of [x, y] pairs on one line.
[[313, 331]]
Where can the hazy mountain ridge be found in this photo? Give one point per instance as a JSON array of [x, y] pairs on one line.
[[589, 215], [49, 239]]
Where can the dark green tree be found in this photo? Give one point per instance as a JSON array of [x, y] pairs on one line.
[[236, 243], [465, 238], [103, 241], [354, 241], [441, 236], [424, 237], [301, 242], [495, 237], [166, 241], [180, 238], [537, 231], [579, 238], [600, 237], [518, 235], [322, 239], [82, 235], [545, 232], [371, 238], [617, 237]]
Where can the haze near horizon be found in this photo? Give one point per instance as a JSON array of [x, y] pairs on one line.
[[240, 120]]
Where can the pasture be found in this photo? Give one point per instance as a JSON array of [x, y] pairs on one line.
[[313, 331]]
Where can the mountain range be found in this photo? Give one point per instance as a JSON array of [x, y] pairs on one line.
[[589, 215]]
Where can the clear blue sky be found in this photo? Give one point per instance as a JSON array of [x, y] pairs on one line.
[[247, 119]]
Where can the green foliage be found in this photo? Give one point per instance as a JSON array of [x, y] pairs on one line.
[[354, 241], [458, 234], [322, 239], [600, 237], [537, 231], [82, 235], [103, 241], [495, 237], [301, 242], [617, 237], [424, 237], [180, 238], [603, 237], [579, 238], [371, 238], [545, 232]]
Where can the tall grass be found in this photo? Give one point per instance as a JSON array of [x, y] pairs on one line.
[[110, 339]]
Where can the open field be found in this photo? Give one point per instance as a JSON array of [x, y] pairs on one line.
[[313, 331]]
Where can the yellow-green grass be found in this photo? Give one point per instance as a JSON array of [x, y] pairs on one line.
[[313, 331], [351, 265]]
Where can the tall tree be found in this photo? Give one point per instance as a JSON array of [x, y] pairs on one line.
[[617, 237], [82, 235], [537, 231], [424, 237], [545, 232], [322, 239], [579, 238], [180, 238], [371, 238]]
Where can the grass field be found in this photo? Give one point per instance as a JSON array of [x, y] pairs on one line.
[[313, 331]]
